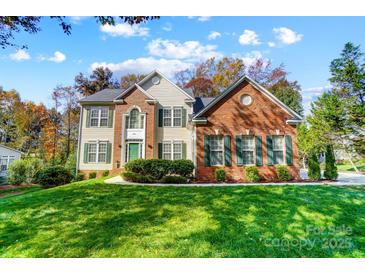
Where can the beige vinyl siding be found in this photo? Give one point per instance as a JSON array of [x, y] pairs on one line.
[[94, 134], [168, 95]]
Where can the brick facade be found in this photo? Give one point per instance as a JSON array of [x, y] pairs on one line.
[[134, 98], [229, 117]]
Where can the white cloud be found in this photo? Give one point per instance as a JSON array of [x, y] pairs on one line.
[[146, 65], [271, 44], [19, 55], [190, 50], [287, 36], [214, 35], [125, 30], [167, 27], [58, 57], [77, 19], [310, 95], [249, 37], [200, 18], [249, 58]]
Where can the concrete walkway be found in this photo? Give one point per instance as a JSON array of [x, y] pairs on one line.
[[344, 179]]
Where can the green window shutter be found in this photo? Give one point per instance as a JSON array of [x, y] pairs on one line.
[[183, 124], [269, 152], [160, 117], [87, 117], [109, 153], [206, 150], [239, 150], [86, 152], [227, 150], [289, 150], [258, 151], [159, 150], [110, 120], [184, 150]]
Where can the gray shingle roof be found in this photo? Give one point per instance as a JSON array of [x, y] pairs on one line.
[[105, 95], [201, 102]]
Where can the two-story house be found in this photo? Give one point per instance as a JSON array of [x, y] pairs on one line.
[[154, 118]]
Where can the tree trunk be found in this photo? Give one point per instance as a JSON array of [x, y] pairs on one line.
[[304, 162], [68, 132], [350, 158]]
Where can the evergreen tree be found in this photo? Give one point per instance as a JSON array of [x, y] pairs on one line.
[[331, 169], [314, 170]]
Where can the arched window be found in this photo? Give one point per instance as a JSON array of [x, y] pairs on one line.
[[134, 118]]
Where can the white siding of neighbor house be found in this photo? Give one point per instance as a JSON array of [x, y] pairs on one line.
[[94, 134], [168, 95], [8, 152]]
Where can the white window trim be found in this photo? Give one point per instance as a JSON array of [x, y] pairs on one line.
[[253, 150], [7, 157], [172, 143], [97, 143], [172, 116], [283, 150], [99, 117], [223, 151]]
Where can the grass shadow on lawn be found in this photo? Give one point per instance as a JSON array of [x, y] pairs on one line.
[[92, 219]]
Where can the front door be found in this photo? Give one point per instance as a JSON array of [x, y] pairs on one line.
[[133, 151]]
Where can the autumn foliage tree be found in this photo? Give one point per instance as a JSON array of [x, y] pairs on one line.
[[129, 79]]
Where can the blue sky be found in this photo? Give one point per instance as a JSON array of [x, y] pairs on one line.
[[305, 45]]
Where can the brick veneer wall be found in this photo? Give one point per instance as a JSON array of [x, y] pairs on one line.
[[134, 98], [229, 117]]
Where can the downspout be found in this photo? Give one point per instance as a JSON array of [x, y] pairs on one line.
[[79, 140]]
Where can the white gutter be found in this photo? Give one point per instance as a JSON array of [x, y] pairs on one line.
[[79, 140]]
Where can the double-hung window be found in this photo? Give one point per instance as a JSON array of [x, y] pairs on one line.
[[248, 150], [278, 149], [167, 113], [97, 152], [172, 117], [172, 150], [216, 150], [99, 117]]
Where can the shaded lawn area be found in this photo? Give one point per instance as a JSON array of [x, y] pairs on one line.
[[348, 167], [93, 219], [18, 190]]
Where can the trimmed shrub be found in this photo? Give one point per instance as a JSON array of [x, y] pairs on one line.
[[156, 168], [283, 173], [92, 175], [70, 164], [105, 173], [137, 178], [53, 176], [33, 166], [79, 177], [220, 174], [330, 167], [183, 168], [252, 174], [169, 179], [17, 172], [314, 170]]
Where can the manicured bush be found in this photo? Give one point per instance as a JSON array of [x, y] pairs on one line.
[[137, 178], [105, 173], [33, 166], [92, 175], [169, 179], [252, 174], [183, 168], [17, 172], [314, 170], [79, 177], [156, 168], [330, 168], [283, 173], [220, 174], [53, 176], [70, 164]]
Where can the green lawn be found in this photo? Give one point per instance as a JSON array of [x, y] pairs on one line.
[[348, 167], [18, 190], [92, 219]]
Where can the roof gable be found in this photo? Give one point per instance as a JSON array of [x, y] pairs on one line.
[[258, 87], [9, 148]]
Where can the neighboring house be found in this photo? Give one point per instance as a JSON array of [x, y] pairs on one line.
[[7, 155], [244, 125]]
